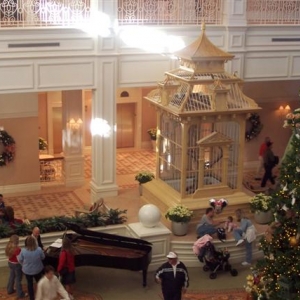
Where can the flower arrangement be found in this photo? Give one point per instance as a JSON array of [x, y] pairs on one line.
[[152, 132], [292, 119], [260, 202], [144, 176], [43, 145], [179, 213]]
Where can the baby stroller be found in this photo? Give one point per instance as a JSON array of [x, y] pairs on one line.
[[214, 260]]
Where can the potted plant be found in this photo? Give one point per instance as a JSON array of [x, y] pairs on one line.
[[144, 176], [43, 145], [260, 205], [180, 216]]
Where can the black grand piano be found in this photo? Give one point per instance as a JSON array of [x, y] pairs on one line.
[[105, 250]]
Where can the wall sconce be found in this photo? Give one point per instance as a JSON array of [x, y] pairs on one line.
[[284, 109], [73, 125]]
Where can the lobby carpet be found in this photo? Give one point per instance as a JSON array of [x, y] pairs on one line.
[[216, 295], [78, 295]]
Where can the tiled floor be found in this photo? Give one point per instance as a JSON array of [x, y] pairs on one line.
[[58, 200]]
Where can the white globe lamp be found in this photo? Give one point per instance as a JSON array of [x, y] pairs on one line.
[[149, 215]]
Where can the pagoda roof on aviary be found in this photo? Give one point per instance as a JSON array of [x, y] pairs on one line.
[[203, 49]]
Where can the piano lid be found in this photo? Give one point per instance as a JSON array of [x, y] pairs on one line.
[[105, 236]]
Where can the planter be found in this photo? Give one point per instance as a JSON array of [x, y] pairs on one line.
[[180, 228], [262, 217]]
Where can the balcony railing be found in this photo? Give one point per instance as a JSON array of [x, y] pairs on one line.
[[43, 13], [73, 13], [68, 13], [272, 12], [175, 12]]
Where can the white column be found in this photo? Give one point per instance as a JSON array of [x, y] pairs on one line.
[[72, 138], [103, 181]]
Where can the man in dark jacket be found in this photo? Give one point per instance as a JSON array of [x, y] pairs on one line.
[[173, 276], [269, 164]]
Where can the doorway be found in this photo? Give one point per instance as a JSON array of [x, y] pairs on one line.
[[125, 125]]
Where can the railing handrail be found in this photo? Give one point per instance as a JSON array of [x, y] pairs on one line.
[[71, 13]]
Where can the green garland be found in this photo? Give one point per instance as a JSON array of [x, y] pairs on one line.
[[9, 148], [256, 127]]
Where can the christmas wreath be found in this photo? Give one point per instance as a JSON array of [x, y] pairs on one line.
[[9, 148], [254, 128]]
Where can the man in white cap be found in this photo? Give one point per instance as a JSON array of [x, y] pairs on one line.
[[173, 276]]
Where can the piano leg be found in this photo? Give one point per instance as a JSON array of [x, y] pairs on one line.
[[145, 277]]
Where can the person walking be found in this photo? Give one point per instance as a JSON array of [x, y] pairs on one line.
[[173, 277], [261, 153], [49, 287], [269, 164], [207, 224], [245, 233], [31, 258], [12, 250], [67, 261]]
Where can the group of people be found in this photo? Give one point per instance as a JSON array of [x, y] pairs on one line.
[[245, 233], [173, 274], [28, 260]]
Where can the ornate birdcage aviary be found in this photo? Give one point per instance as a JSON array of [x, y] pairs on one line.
[[202, 113]]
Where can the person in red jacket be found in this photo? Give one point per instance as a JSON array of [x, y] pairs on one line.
[[66, 260], [262, 150]]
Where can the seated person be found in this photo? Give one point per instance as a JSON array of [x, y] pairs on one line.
[[229, 224], [207, 224], [10, 217]]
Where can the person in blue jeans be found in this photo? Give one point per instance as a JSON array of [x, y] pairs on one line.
[[245, 233], [207, 225], [31, 259], [12, 250]]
